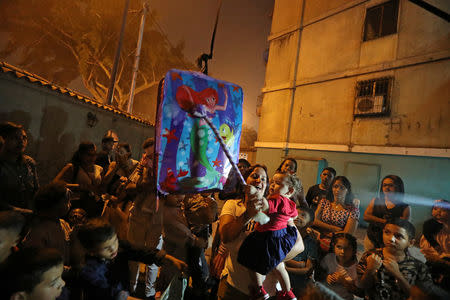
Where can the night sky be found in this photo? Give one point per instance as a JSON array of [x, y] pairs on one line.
[[241, 40]]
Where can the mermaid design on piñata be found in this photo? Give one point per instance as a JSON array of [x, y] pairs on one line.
[[198, 128], [203, 102]]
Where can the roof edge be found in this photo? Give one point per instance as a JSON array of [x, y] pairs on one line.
[[35, 79]]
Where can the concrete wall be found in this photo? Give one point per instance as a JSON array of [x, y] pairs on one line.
[[425, 179], [323, 112], [332, 57], [56, 123]]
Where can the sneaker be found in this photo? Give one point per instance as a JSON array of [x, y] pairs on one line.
[[261, 294], [289, 295], [281, 295]]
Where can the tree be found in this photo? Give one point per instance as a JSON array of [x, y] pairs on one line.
[[63, 40]]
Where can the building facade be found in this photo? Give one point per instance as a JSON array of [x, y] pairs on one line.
[[362, 86]]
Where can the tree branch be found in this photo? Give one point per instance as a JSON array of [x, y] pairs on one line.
[[144, 87], [102, 66], [65, 44]]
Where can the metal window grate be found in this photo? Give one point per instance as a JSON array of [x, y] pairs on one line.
[[372, 97], [373, 87]]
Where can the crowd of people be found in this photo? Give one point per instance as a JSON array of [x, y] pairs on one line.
[[89, 233]]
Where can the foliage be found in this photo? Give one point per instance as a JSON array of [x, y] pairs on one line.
[[64, 40]]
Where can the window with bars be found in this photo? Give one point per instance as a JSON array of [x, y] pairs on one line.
[[372, 97], [381, 20]]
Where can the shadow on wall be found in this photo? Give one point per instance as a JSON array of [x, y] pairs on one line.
[[55, 145], [55, 130]]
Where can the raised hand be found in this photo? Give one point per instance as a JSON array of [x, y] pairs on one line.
[[332, 278], [391, 265], [374, 262]]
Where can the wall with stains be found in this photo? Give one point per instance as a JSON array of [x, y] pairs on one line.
[[332, 57], [56, 123]]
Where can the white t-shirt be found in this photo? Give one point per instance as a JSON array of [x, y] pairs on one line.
[[238, 276], [330, 264]]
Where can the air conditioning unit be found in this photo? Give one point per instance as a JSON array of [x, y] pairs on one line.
[[370, 106]]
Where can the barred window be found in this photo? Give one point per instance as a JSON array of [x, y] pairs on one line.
[[372, 97]]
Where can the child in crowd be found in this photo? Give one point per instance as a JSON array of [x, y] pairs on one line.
[[435, 242], [47, 228], [301, 267], [11, 225], [340, 265], [289, 165], [265, 249], [32, 274], [389, 272], [319, 191], [106, 274]]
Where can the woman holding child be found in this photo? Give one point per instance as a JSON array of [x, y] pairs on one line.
[[235, 224]]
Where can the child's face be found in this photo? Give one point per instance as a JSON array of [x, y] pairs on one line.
[[302, 219], [279, 185], [343, 250], [149, 151], [107, 250], [440, 214], [123, 152], [51, 285], [288, 167], [8, 239], [395, 237], [242, 168]]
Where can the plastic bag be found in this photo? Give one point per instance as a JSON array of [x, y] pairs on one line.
[[176, 288]]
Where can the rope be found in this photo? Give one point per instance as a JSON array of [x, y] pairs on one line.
[[222, 144]]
